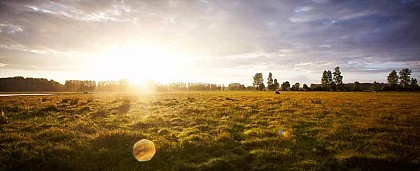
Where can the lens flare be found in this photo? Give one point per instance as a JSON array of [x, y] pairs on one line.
[[286, 134], [144, 150]]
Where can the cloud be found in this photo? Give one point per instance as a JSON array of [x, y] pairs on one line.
[[243, 36], [84, 11], [321, 1], [10, 28]]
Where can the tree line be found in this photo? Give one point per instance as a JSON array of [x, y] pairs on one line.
[[274, 85], [333, 81], [330, 81], [80, 85], [183, 86], [401, 81], [19, 83]]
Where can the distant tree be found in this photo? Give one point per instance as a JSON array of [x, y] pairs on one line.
[[258, 80], [236, 86], [305, 87], [374, 86], [285, 86], [413, 82], [123, 85], [270, 81], [20, 83], [326, 79], [333, 86], [386, 88], [330, 78], [296, 87], [338, 78], [356, 86], [109, 86], [392, 79], [81, 85], [197, 86], [405, 77], [250, 88], [276, 85], [261, 87]]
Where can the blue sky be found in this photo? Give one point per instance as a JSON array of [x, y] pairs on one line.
[[209, 41]]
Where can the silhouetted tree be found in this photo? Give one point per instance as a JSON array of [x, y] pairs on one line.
[[29, 84], [80, 85], [258, 80], [326, 79], [270, 81], [296, 87], [285, 86], [276, 85], [405, 77], [305, 87], [261, 87], [338, 78], [356, 86], [413, 82], [374, 86], [333, 86], [392, 79]]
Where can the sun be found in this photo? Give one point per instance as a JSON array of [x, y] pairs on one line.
[[138, 64]]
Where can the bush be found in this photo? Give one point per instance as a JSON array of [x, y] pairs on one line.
[[386, 88]]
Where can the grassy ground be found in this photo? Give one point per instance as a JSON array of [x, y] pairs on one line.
[[212, 131]]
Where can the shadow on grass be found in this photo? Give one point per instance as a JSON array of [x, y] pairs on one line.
[[366, 163], [124, 107]]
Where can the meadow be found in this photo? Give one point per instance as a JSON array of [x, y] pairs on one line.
[[212, 131]]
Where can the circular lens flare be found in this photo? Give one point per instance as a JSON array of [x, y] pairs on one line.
[[144, 150]]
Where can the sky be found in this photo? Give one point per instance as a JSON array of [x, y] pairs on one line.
[[221, 41]]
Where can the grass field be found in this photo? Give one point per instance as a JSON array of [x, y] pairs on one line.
[[212, 131]]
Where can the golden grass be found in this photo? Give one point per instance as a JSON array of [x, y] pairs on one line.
[[212, 131]]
